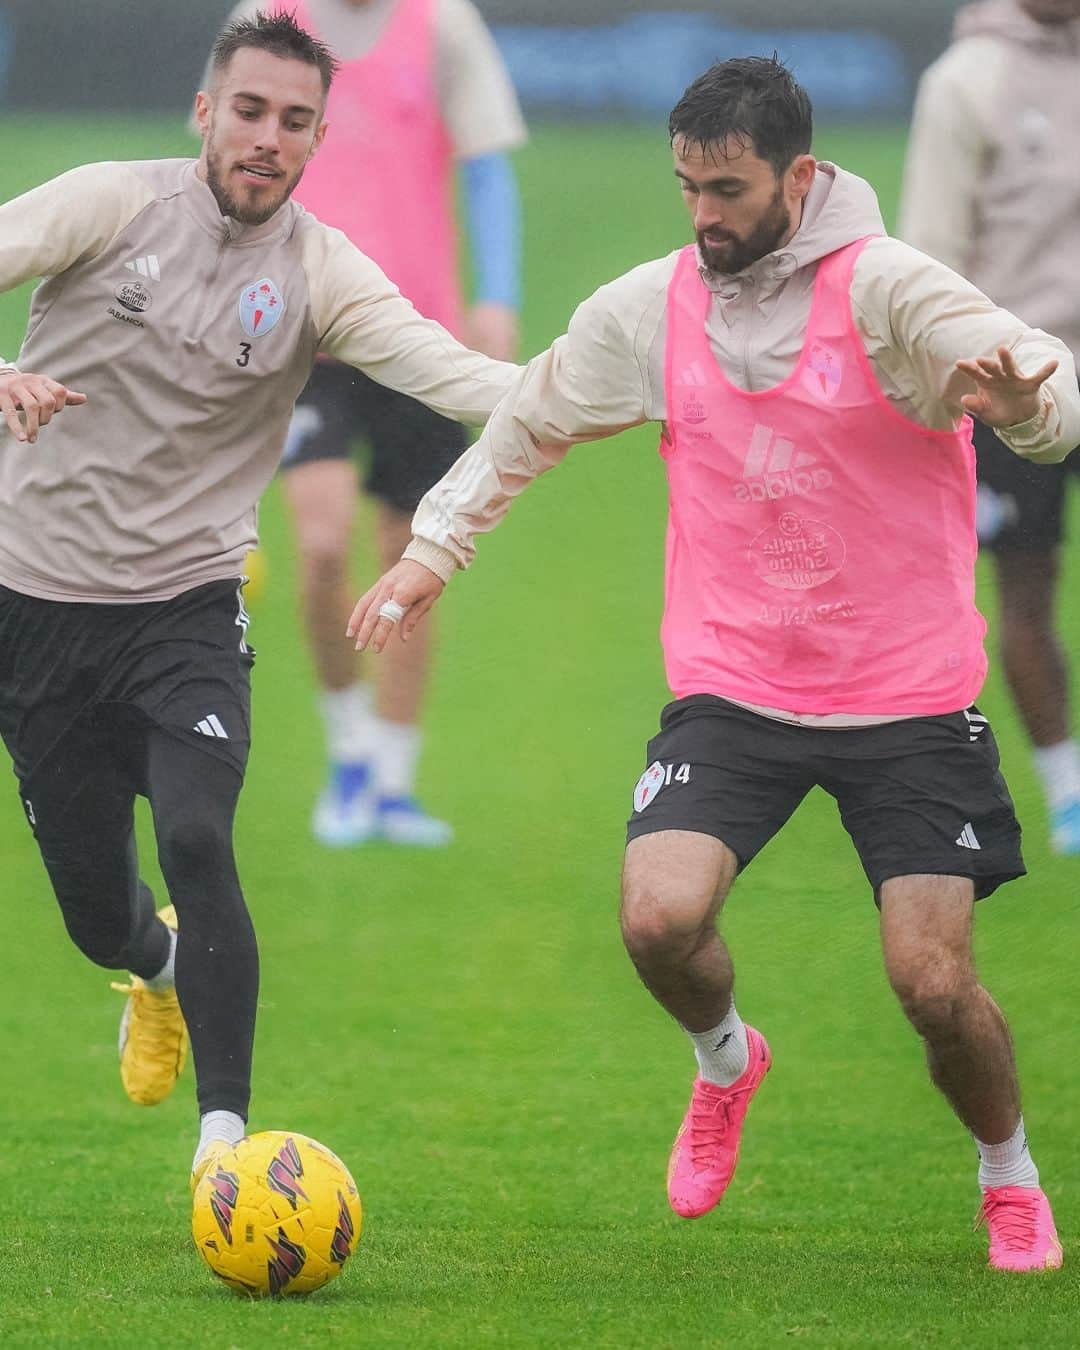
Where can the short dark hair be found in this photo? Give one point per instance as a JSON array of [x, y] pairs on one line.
[[752, 98], [280, 35]]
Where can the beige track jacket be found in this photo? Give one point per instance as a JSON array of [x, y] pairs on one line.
[[915, 316]]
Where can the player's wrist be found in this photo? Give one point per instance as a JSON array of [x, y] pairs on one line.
[[432, 556], [1035, 420]]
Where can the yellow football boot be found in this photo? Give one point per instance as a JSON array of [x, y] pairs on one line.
[[153, 1038], [215, 1149]]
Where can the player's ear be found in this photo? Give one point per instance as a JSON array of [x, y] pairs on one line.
[[319, 137], [201, 115], [801, 174]]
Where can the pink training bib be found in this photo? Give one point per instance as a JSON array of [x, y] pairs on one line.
[[821, 546], [384, 174]]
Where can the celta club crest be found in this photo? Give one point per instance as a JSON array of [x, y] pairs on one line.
[[824, 371], [648, 785], [261, 306]]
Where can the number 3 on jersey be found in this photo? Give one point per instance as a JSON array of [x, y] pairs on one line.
[[245, 354]]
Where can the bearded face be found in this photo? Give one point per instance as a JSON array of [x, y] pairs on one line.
[[740, 207], [261, 124], [250, 189], [725, 251]]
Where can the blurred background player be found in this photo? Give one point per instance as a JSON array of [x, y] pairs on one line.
[[992, 188], [422, 87]]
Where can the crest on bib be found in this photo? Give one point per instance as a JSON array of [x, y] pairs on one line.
[[824, 371]]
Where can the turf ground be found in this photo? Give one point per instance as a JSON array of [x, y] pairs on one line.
[[464, 1028]]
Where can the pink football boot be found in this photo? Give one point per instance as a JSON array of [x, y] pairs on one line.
[[1021, 1227], [707, 1145]]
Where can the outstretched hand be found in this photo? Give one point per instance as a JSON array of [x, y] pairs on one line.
[[408, 586], [1004, 397], [37, 398]]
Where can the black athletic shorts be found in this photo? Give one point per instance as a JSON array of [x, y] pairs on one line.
[[1021, 505], [923, 795], [408, 447], [81, 679]]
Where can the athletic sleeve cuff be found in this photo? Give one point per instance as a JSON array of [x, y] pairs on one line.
[[1034, 429], [432, 556]]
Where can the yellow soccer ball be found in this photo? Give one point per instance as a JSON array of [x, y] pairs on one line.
[[278, 1214], [257, 572]]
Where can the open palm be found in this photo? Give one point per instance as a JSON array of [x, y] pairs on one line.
[[1004, 397]]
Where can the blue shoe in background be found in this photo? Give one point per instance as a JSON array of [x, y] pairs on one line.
[[345, 812], [1065, 828], [402, 820]]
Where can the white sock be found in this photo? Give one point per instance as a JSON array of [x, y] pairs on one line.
[[225, 1125], [722, 1053], [1007, 1164], [1059, 768], [166, 976], [349, 722], [396, 750]]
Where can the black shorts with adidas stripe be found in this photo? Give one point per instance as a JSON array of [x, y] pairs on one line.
[[922, 795], [83, 679]]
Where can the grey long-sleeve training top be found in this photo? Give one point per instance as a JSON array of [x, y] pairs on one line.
[[192, 336]]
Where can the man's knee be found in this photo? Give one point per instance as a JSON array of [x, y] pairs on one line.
[[1027, 588], [673, 885], [657, 925], [323, 556], [105, 945], [92, 885], [1028, 632], [194, 845], [932, 989], [98, 920]]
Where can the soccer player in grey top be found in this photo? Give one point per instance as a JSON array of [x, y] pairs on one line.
[[182, 308]]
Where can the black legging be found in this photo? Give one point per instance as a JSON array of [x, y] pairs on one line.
[[83, 808]]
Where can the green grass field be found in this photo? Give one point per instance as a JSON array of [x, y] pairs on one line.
[[465, 1030]]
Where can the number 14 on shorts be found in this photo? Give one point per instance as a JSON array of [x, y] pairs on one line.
[[655, 777]]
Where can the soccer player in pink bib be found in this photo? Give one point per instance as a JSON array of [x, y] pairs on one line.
[[815, 382]]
